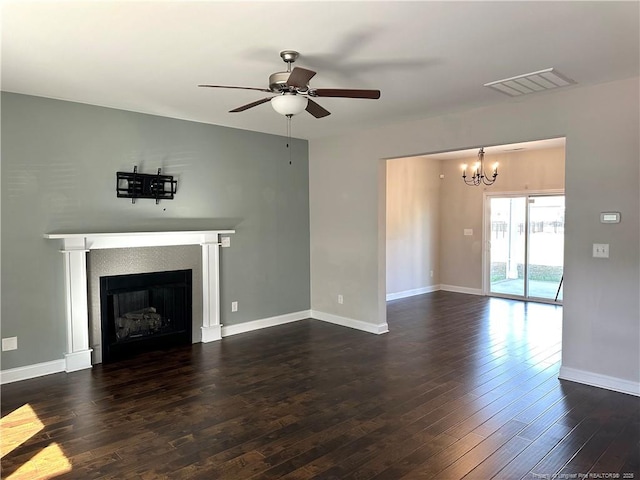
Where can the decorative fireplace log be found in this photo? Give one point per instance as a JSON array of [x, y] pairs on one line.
[[141, 322]]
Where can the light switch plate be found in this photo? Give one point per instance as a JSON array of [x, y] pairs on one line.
[[9, 343], [225, 241]]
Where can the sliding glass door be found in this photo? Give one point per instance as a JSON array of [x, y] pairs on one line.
[[525, 246]]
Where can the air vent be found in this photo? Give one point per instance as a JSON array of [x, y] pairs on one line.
[[531, 82]]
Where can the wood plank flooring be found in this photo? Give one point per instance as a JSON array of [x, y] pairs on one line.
[[461, 387]]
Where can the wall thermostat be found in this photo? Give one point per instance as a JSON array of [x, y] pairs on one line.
[[610, 217]]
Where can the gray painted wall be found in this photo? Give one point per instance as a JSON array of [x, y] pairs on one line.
[[601, 326], [59, 161], [413, 223]]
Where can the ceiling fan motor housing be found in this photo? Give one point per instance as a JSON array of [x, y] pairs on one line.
[[278, 81]]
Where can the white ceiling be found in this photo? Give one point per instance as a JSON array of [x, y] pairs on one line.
[[427, 58]]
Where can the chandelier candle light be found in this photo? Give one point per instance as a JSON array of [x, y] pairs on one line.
[[479, 177]]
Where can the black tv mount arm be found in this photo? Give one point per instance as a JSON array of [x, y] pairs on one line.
[[141, 185]]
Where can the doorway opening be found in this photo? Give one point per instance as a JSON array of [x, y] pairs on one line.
[[439, 234]]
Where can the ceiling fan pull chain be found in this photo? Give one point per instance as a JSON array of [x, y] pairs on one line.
[[289, 136]]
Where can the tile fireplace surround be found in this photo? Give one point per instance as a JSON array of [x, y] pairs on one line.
[[75, 248]]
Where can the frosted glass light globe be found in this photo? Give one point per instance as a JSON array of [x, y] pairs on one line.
[[289, 104]]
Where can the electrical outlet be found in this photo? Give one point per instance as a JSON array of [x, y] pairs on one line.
[[340, 299], [234, 306], [9, 343], [431, 273], [225, 242], [601, 250]]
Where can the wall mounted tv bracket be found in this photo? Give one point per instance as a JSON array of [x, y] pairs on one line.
[[141, 185]]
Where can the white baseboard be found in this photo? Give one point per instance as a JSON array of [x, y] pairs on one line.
[[598, 380], [265, 323], [413, 292], [456, 289], [32, 371], [350, 322]]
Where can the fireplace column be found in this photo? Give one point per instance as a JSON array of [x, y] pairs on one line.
[[211, 328], [78, 356]]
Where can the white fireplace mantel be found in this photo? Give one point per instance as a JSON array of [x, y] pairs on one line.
[[75, 247]]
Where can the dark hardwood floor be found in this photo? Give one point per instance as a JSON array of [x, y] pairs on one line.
[[462, 387]]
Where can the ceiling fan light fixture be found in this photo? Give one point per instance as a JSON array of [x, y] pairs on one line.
[[289, 104]]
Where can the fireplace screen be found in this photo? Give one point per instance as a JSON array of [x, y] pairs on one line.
[[145, 311]]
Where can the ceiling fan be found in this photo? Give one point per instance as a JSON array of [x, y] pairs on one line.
[[293, 91]]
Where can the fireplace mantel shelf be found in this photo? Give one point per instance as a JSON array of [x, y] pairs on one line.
[[102, 240], [76, 245]]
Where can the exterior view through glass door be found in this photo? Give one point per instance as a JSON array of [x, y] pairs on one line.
[[526, 246]]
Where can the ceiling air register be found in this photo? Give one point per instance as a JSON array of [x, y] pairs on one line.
[[539, 81]]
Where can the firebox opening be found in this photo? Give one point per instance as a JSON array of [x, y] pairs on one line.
[[143, 312]]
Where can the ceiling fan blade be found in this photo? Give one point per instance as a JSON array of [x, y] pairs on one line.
[[300, 77], [239, 88], [316, 110], [250, 105], [345, 93]]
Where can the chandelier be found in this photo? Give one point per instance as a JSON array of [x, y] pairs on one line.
[[479, 176]]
